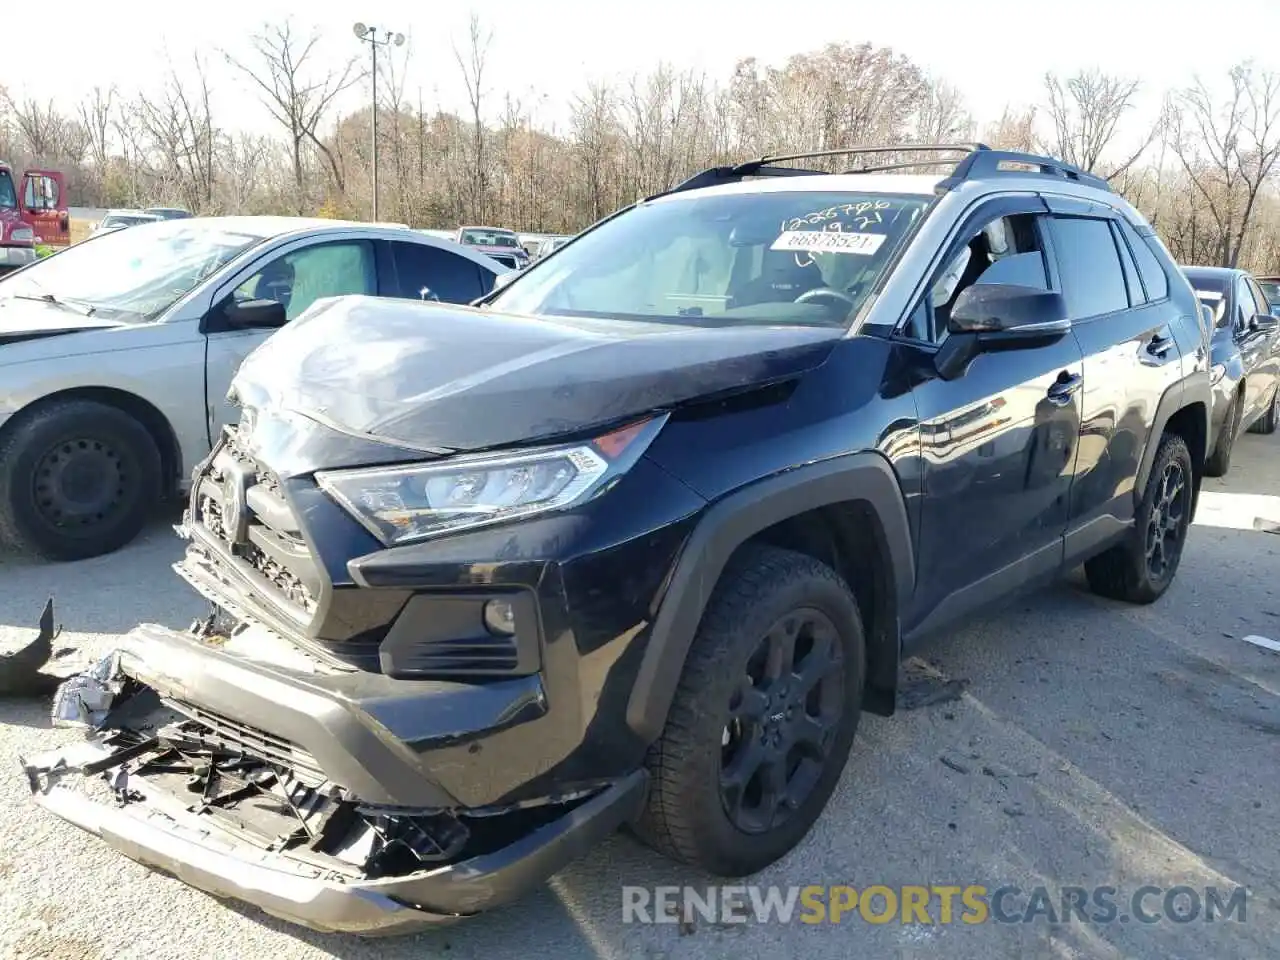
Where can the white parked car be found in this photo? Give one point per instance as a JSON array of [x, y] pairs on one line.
[[116, 354], [119, 219]]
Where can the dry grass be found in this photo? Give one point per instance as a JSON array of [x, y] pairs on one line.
[[80, 229]]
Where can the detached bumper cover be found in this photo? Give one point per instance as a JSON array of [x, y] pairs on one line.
[[181, 843]]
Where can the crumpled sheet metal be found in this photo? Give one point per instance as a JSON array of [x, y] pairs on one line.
[[85, 700]]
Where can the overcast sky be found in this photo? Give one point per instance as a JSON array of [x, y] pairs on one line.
[[996, 51]]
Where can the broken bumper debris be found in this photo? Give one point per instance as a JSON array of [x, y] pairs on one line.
[[243, 812]]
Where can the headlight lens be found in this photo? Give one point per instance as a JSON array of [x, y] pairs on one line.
[[404, 503]]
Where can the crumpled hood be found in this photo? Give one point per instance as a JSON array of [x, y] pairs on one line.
[[31, 319], [444, 378]]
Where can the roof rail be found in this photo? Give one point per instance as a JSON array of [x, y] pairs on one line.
[[978, 160], [985, 162]]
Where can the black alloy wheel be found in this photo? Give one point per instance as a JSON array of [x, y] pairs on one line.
[[784, 716], [763, 717], [1167, 524]]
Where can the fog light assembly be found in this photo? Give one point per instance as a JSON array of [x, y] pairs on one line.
[[500, 618]]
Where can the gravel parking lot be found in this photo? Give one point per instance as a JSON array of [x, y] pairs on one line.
[[1095, 744]]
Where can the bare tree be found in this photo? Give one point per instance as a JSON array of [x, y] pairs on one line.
[[179, 123], [96, 112], [1015, 130], [943, 116], [1086, 111], [41, 125], [473, 70], [297, 97], [1229, 150]]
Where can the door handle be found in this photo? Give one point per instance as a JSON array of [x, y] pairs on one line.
[[1157, 349], [1064, 388]]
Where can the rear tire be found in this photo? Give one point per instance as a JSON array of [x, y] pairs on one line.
[[755, 742], [1219, 461], [1268, 422], [78, 479], [1141, 568]]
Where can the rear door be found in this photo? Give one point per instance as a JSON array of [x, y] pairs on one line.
[[44, 206], [1131, 358], [426, 272]]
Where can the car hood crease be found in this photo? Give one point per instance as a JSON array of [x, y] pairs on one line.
[[440, 377]]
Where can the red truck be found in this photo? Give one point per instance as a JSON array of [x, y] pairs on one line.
[[33, 212]]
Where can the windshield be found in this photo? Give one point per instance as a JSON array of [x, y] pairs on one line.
[[8, 196], [1271, 290], [126, 221], [489, 238], [134, 274], [764, 258]]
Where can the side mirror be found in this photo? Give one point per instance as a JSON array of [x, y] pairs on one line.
[[990, 316], [254, 314], [1264, 323], [502, 279]]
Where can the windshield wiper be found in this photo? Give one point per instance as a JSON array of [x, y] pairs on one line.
[[75, 306]]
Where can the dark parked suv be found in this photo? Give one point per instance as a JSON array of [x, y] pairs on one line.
[[638, 539]]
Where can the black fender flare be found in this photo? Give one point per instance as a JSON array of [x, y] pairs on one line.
[[865, 477], [1193, 388]]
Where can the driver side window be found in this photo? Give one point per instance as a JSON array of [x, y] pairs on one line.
[[1006, 250], [300, 278]]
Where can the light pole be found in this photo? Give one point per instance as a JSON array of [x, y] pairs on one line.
[[370, 36]]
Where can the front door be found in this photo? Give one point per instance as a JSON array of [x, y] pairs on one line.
[[44, 206], [1131, 358], [297, 278], [1257, 349], [997, 443]]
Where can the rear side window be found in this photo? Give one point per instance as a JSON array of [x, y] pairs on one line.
[[1259, 298], [1137, 296], [1092, 277], [429, 273], [1153, 276]]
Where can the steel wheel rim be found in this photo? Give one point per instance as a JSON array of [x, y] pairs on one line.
[[78, 484], [1167, 524], [783, 717]]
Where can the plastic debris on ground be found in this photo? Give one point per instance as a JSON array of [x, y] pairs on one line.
[[84, 700]]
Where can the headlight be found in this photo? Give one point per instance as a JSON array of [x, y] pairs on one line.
[[22, 235], [415, 501], [1217, 372]]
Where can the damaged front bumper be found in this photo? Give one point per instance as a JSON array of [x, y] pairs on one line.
[[260, 820]]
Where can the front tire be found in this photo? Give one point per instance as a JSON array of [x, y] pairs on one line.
[[1219, 461], [763, 717], [78, 479], [1141, 568]]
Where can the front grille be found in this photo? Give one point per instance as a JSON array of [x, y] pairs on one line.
[[233, 735], [269, 540], [506, 259]]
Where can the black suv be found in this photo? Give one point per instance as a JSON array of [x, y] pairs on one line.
[[639, 538]]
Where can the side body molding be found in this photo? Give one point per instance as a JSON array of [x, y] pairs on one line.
[[865, 478]]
